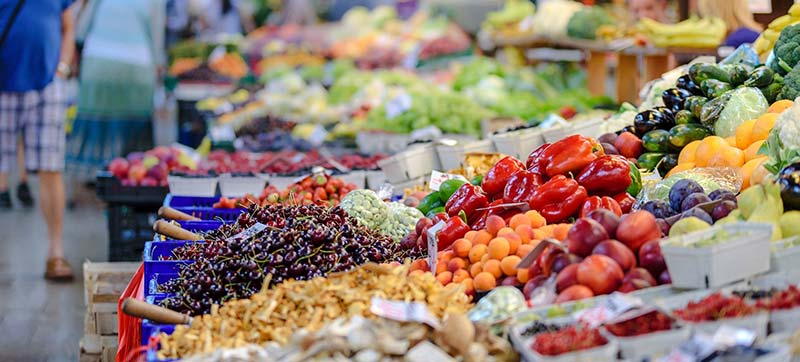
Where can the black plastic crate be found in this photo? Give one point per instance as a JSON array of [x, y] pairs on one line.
[[129, 227], [111, 190]]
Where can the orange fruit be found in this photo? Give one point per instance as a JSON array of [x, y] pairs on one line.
[[415, 272], [484, 282], [467, 283], [494, 223], [708, 147], [477, 252], [539, 234], [483, 237], [727, 157], [522, 275], [731, 141], [760, 174], [524, 250], [560, 231], [687, 153], [780, 106], [505, 231], [499, 248], [475, 269], [746, 171], [509, 265], [445, 277], [514, 241], [446, 255], [485, 257], [461, 247], [679, 168], [743, 133], [470, 235], [763, 125], [460, 275], [441, 267], [751, 151], [525, 233], [493, 266], [537, 220], [518, 220], [455, 264]]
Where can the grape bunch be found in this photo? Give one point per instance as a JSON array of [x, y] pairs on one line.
[[264, 124], [299, 242]]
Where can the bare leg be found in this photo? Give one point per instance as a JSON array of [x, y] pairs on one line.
[[3, 182], [23, 172], [52, 204]]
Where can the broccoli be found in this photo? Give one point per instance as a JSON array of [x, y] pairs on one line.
[[584, 23], [787, 50], [791, 84]]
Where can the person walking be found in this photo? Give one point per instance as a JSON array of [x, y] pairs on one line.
[[36, 48]]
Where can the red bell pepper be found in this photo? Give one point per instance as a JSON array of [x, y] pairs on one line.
[[535, 162], [495, 180], [625, 201], [606, 175], [454, 229], [570, 155], [597, 202], [467, 198], [521, 185], [558, 199]]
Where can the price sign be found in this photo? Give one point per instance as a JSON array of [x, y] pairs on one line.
[[433, 244], [403, 311], [438, 177], [615, 305], [249, 232], [398, 105]]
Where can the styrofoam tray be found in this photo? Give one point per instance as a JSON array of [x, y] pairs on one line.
[[452, 157], [518, 143], [604, 353], [719, 264], [238, 186], [782, 259], [650, 345], [784, 320], [400, 187], [556, 133], [375, 179], [755, 322], [588, 128], [192, 186], [416, 161], [355, 177]]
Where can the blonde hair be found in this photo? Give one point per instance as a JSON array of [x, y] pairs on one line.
[[735, 13]]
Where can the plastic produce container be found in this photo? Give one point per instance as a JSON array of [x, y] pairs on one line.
[[518, 143], [605, 353], [282, 182], [356, 177], [650, 345], [784, 258], [712, 266], [416, 161], [557, 133], [452, 157], [375, 179], [784, 320], [755, 322], [238, 186], [192, 186]]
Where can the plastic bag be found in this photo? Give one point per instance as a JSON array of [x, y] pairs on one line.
[[710, 178], [130, 328], [501, 303], [744, 54], [745, 103]]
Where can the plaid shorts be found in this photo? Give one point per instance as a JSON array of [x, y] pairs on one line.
[[38, 116]]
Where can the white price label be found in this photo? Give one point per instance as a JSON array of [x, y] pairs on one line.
[[433, 244], [616, 304], [403, 311], [728, 336], [438, 177], [222, 133], [249, 232], [318, 135], [216, 54], [398, 105]]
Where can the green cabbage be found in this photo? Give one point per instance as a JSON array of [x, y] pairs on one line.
[[745, 103]]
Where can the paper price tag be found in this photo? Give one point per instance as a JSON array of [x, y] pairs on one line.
[[433, 244], [249, 232], [438, 177], [615, 305], [318, 135], [728, 336], [398, 105], [222, 133], [403, 311]]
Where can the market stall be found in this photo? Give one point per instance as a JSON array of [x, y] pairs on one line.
[[477, 212]]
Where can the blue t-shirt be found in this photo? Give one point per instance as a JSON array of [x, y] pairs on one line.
[[29, 56]]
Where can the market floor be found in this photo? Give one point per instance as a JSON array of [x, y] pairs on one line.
[[40, 320]]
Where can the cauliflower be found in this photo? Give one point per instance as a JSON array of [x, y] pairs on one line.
[[783, 144]]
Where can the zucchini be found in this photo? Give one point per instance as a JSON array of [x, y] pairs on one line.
[[737, 74], [713, 88], [772, 91], [683, 134], [699, 72], [667, 163], [694, 104], [685, 117], [760, 77], [656, 140], [649, 160]]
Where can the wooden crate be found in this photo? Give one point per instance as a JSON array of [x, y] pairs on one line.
[[103, 285], [105, 282]]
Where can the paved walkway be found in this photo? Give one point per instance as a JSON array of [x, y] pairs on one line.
[[40, 320]]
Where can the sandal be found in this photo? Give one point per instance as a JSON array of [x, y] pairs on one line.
[[58, 269]]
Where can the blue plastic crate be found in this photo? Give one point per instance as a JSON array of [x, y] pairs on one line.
[[189, 201], [210, 213], [155, 252], [158, 275], [150, 328], [201, 226]]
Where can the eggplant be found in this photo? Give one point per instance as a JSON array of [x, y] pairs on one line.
[[685, 82], [674, 98], [651, 119], [668, 119], [789, 181], [667, 163], [629, 128]]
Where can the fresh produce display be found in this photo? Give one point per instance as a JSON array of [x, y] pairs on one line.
[[569, 339], [648, 323], [150, 168], [687, 200], [389, 218], [506, 21], [298, 242], [584, 23], [763, 203], [715, 307], [782, 145], [277, 312], [321, 190], [784, 299], [767, 40], [690, 33]]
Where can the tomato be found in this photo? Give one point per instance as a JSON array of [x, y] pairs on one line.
[[629, 145]]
